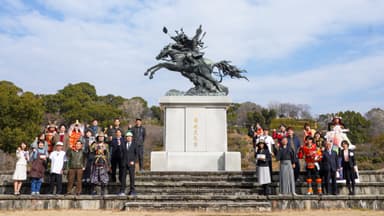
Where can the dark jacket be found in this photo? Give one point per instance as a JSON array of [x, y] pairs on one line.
[[139, 135], [130, 155], [351, 163], [329, 161], [286, 154], [116, 149], [263, 163], [296, 142], [38, 164]]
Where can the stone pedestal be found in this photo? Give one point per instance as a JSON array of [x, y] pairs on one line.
[[195, 135]]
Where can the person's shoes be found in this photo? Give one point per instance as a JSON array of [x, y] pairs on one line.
[[132, 193], [93, 193], [141, 170], [121, 194], [37, 193], [33, 193]]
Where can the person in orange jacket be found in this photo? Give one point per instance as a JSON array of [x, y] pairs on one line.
[[312, 156]]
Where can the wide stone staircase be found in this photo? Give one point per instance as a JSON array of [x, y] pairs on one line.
[[223, 191]]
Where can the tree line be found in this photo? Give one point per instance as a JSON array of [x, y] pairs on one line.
[[24, 114]]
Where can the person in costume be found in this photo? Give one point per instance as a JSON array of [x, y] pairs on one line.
[[75, 133], [336, 133], [280, 134], [308, 131], [62, 136], [319, 141], [312, 157], [101, 164], [50, 134]]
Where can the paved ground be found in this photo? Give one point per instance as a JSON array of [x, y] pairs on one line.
[[189, 213]]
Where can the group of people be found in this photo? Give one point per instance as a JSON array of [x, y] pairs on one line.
[[325, 157], [88, 154]]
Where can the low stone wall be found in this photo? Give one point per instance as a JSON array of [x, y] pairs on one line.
[[147, 202]]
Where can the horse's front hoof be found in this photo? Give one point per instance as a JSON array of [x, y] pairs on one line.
[[151, 77], [146, 73]]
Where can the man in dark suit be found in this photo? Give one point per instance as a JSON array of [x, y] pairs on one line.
[[329, 169], [116, 155], [130, 151], [139, 134]]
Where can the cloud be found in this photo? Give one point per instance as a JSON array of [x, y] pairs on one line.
[[110, 44], [353, 85]]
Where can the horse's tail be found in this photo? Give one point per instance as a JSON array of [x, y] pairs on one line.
[[226, 69]]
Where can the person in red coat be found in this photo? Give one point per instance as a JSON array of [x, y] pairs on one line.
[[312, 156]]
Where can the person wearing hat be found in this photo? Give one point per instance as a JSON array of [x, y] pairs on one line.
[[263, 156], [139, 134], [76, 165], [130, 153], [57, 158], [270, 143], [75, 133], [101, 164], [312, 156], [336, 121], [348, 165], [50, 134]]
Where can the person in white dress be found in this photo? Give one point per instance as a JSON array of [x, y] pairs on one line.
[[20, 173]]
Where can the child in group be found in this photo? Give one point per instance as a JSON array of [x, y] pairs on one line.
[[76, 166], [38, 159], [20, 173], [57, 158]]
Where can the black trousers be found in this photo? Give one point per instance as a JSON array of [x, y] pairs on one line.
[[55, 179], [296, 171], [131, 171], [329, 181], [270, 169], [140, 155], [116, 162], [349, 176]]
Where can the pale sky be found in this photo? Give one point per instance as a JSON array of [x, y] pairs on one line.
[[327, 54]]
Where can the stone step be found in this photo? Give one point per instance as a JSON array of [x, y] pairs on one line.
[[191, 202], [205, 206], [372, 188], [244, 176]]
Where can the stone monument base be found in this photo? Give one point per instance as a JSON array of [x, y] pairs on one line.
[[195, 135], [195, 161]]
